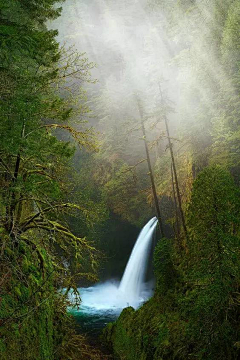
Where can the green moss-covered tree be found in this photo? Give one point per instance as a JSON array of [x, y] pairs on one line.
[[39, 253]]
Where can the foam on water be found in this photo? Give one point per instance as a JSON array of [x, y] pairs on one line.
[[111, 297]]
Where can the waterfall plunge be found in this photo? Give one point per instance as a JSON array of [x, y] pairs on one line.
[[132, 290], [133, 278]]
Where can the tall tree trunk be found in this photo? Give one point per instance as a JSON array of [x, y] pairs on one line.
[[13, 194], [175, 207], [151, 172], [176, 178]]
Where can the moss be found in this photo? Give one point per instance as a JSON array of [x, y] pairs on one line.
[[195, 310], [132, 336], [28, 309]]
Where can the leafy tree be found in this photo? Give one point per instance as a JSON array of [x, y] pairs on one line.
[[38, 249], [212, 270]]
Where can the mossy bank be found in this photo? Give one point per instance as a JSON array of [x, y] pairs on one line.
[[195, 310]]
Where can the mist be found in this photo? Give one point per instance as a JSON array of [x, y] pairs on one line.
[[129, 42], [119, 179], [162, 55]]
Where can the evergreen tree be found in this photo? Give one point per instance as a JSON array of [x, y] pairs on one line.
[[39, 252]]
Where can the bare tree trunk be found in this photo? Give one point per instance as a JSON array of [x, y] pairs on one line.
[[176, 207], [176, 178], [151, 173]]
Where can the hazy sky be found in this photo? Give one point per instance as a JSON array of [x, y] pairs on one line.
[[124, 39], [128, 42]]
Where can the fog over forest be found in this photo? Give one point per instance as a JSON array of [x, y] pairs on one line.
[[163, 56], [119, 179], [160, 59], [128, 43], [134, 55]]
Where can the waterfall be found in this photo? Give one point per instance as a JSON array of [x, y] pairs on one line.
[[133, 278], [132, 290]]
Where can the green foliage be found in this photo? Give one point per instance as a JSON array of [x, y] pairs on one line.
[[27, 304], [122, 194], [195, 309], [39, 253], [213, 264], [47, 210], [165, 272], [213, 217]]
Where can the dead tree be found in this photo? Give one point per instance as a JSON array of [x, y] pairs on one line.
[[150, 170], [174, 171]]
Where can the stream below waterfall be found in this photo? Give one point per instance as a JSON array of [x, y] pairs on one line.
[[103, 303]]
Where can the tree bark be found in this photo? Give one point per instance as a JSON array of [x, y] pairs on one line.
[[176, 178], [151, 173], [176, 207]]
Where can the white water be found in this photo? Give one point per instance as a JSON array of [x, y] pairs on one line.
[[111, 297], [133, 278]]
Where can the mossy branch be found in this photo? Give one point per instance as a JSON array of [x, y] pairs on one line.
[[31, 219]]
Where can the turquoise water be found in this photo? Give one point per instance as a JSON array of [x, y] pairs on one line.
[[101, 304], [92, 323]]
